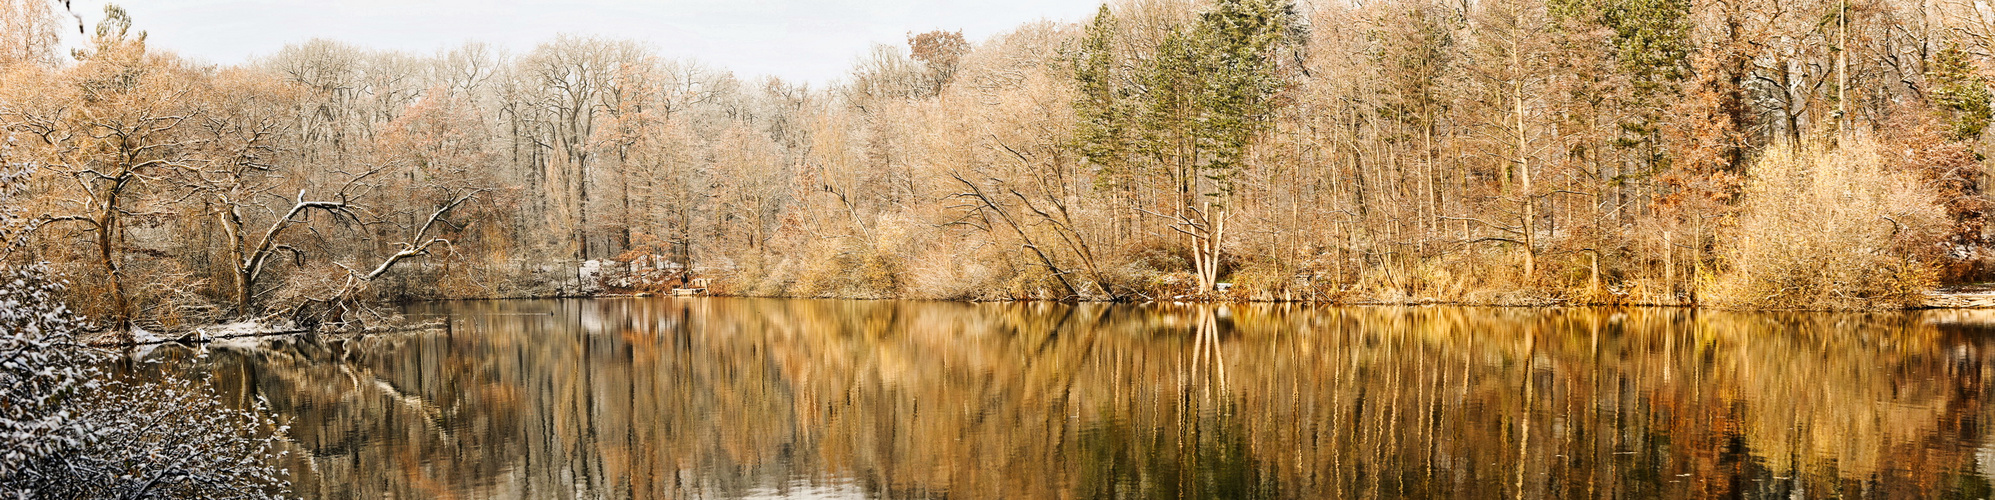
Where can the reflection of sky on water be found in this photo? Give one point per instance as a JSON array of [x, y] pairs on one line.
[[809, 490], [747, 398]]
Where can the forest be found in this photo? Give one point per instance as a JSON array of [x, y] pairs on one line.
[[1781, 154]]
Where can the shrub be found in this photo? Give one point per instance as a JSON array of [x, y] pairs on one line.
[[1830, 228], [848, 272], [1263, 279], [66, 431], [959, 270]]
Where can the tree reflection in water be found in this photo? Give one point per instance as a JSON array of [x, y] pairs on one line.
[[664, 398]]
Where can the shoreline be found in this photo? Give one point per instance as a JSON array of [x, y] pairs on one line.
[[1940, 299], [1945, 299]]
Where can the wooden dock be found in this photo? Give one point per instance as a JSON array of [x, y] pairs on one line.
[[1961, 299]]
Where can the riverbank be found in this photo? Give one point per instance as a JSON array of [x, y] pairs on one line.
[[1975, 296], [1959, 298], [1971, 296]]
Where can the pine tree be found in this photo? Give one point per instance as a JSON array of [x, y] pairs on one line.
[[1959, 92], [1242, 39], [1102, 132]]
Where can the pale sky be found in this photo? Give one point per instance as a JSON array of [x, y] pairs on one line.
[[807, 40]]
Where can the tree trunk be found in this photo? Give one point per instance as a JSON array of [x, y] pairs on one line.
[[107, 254], [1528, 227], [232, 223]]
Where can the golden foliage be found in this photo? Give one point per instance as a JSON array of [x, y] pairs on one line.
[[1831, 227]]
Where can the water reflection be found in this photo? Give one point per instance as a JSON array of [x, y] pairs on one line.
[[666, 398]]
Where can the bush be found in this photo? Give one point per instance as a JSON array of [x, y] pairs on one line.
[[1830, 228], [848, 272], [1263, 279], [962, 269], [66, 431]]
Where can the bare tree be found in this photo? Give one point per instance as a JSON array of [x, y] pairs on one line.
[[114, 125]]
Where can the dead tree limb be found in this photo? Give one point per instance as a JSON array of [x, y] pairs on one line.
[[335, 309], [986, 203]]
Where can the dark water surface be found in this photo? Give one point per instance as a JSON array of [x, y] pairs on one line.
[[748, 398]]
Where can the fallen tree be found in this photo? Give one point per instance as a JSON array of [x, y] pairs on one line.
[[346, 306]]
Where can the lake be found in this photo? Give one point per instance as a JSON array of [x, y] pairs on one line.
[[765, 398]]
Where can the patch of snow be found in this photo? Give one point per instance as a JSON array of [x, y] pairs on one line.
[[237, 343], [590, 273], [147, 342], [232, 329], [142, 335]]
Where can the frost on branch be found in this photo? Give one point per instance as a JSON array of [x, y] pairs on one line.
[[67, 430]]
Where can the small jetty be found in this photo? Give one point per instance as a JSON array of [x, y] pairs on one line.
[[694, 287], [1980, 296]]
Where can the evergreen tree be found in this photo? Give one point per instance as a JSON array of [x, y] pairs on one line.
[[1959, 92], [1242, 40], [1102, 131], [1212, 88]]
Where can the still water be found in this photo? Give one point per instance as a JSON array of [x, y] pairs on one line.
[[752, 398]]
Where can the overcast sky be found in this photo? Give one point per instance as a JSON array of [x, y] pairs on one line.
[[809, 40]]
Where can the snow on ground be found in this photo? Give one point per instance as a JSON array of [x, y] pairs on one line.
[[140, 334], [235, 329]]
